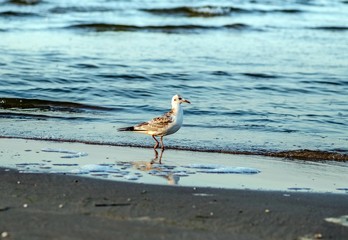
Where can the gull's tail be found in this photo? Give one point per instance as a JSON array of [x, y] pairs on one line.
[[124, 129]]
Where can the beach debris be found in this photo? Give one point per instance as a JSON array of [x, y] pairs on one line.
[[210, 215], [61, 205], [203, 194], [318, 236], [267, 210], [342, 220], [311, 236], [111, 204], [4, 234], [25, 205], [3, 209]]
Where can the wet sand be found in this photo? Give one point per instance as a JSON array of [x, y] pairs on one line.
[[51, 206]]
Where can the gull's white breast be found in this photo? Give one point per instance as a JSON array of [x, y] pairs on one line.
[[176, 124]]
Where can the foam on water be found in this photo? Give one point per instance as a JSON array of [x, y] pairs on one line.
[[342, 220], [70, 154], [131, 177], [203, 166], [232, 170], [220, 169]]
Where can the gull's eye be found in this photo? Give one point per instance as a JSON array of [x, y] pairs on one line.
[[175, 99]]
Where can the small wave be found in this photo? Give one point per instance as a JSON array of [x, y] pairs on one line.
[[84, 65], [24, 2], [301, 154], [331, 28], [17, 14], [63, 10], [290, 11], [259, 75], [220, 73], [334, 82], [133, 77], [46, 104], [204, 11], [103, 27], [16, 115], [213, 11]]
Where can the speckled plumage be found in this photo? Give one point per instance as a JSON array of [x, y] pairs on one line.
[[166, 124]]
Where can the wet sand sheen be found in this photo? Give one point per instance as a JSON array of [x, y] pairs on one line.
[[300, 154], [184, 168]]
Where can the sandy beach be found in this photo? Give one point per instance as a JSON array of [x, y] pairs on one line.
[[63, 205], [51, 206], [263, 148]]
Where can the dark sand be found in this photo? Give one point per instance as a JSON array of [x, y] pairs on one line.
[[69, 207]]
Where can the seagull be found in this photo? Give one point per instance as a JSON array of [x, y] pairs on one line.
[[166, 124]]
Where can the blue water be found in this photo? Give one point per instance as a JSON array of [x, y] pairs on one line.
[[261, 75]]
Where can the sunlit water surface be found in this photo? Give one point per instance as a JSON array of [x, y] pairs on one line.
[[261, 75]]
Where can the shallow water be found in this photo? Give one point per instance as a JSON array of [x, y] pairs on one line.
[[261, 75], [181, 168]]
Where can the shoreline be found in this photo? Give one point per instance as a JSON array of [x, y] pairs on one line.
[[52, 206], [298, 154], [183, 168]]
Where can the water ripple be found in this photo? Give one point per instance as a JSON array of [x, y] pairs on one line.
[[103, 27], [214, 11]]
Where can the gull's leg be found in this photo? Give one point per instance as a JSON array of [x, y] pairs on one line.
[[160, 158], [162, 145], [155, 158], [157, 143]]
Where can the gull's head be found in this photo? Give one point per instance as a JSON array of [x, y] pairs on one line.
[[177, 99]]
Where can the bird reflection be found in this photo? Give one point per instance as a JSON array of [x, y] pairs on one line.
[[155, 165], [155, 159]]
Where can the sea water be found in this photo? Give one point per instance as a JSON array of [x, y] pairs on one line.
[[261, 75]]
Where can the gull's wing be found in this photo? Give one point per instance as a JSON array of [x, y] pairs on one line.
[[156, 124]]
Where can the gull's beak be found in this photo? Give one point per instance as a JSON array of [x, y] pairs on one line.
[[186, 101]]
